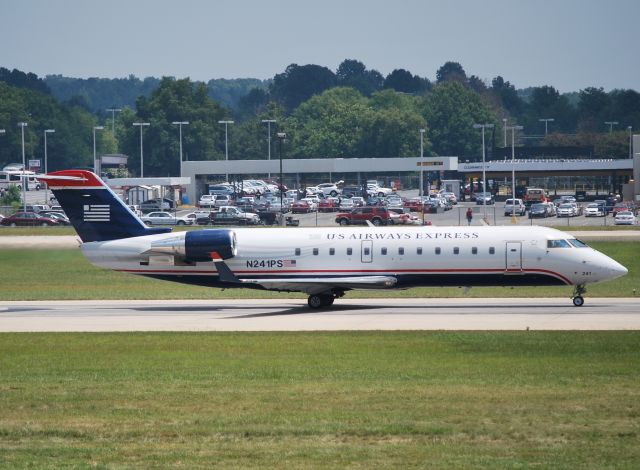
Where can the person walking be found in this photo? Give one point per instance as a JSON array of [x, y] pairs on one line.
[[469, 215]]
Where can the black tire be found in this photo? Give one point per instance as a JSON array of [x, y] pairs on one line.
[[578, 301], [44, 224], [315, 301], [343, 222], [377, 222], [13, 224], [180, 222], [148, 223], [381, 194]]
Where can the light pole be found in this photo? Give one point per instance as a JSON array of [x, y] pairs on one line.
[[281, 136], [513, 172], [180, 124], [484, 175], [504, 127], [546, 124], [95, 128], [141, 125], [226, 141], [46, 191], [629, 128], [422, 162], [269, 122], [611, 124], [113, 119], [25, 181]]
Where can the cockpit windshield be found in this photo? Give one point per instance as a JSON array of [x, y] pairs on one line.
[[566, 243], [558, 244]]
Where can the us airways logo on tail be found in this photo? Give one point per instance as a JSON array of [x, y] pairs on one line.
[[96, 213]]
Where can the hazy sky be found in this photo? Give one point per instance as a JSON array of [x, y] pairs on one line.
[[569, 44]]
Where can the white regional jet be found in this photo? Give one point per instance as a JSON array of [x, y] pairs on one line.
[[324, 262]]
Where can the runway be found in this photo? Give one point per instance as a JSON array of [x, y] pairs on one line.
[[346, 314]]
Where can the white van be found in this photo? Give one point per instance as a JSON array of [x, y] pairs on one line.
[[16, 177]]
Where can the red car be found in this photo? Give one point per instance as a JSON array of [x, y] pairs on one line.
[[622, 207], [28, 219], [328, 205], [300, 207]]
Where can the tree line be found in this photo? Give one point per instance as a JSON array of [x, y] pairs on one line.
[[352, 112]]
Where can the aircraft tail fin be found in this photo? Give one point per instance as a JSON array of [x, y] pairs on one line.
[[95, 211]]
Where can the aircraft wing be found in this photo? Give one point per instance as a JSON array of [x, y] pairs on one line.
[[316, 285]]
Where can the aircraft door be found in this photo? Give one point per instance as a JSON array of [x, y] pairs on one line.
[[367, 251], [514, 257]]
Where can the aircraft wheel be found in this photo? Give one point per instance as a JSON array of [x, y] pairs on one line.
[[578, 301], [317, 301]]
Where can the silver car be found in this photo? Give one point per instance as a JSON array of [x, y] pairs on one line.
[[165, 218]]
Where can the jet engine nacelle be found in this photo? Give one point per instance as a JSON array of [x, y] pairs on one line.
[[198, 245]]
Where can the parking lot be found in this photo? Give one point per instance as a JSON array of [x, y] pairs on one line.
[[456, 216]]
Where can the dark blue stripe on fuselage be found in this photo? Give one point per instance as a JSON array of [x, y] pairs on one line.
[[99, 215]]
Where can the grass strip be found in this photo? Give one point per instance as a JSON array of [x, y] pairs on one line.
[[332, 400]]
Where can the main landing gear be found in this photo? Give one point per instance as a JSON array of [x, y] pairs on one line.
[[323, 299], [577, 298]]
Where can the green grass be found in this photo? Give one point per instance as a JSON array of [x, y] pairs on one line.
[[65, 275], [320, 400]]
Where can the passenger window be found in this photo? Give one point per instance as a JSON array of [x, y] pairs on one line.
[[366, 252], [349, 251], [383, 251], [474, 250], [492, 250], [438, 250], [297, 251], [401, 251], [558, 244], [332, 251], [456, 250], [315, 252], [419, 250]]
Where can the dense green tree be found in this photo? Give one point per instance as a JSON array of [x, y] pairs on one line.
[[173, 100], [547, 102], [353, 73], [451, 111], [298, 83], [404, 81], [19, 79], [451, 71], [70, 146], [508, 96]]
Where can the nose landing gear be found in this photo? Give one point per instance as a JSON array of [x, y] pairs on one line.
[[577, 298]]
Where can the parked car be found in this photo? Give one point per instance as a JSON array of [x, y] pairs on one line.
[[567, 210], [538, 210], [165, 218], [207, 200], [624, 218], [328, 189], [328, 205], [594, 210], [300, 207], [621, 207], [159, 204], [360, 215], [484, 196], [514, 206], [59, 216], [25, 219], [230, 215]]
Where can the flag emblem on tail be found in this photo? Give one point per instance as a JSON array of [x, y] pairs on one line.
[[96, 213]]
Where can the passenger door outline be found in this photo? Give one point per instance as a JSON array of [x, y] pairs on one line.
[[513, 257]]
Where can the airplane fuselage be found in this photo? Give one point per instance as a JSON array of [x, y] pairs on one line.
[[414, 256]]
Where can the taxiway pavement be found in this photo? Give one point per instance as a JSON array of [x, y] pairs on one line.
[[346, 314]]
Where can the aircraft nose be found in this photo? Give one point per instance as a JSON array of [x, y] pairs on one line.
[[617, 270]]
